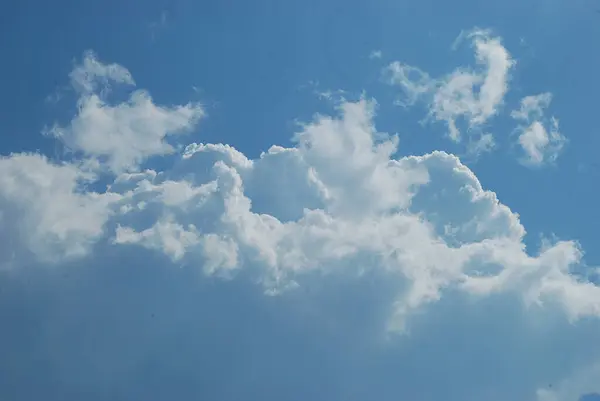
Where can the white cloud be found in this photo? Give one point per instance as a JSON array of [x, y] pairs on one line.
[[86, 76], [474, 95], [172, 238], [532, 107], [414, 82], [542, 143], [484, 144], [45, 209], [375, 54], [351, 200], [354, 240], [121, 137]]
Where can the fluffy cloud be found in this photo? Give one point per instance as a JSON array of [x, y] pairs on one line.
[[122, 136], [474, 95], [45, 210], [541, 141], [86, 76], [404, 266]]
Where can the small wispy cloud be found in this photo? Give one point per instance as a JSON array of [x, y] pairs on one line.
[[539, 138], [473, 94], [159, 25], [375, 54]]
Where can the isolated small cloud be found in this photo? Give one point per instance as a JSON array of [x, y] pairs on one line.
[[539, 138], [375, 54], [478, 146], [413, 82], [87, 76], [158, 25], [532, 107]]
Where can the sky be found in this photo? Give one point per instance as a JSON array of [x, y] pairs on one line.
[[324, 200]]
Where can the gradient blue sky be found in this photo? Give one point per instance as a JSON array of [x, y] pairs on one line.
[[340, 265]]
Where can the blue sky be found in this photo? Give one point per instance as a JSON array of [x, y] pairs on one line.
[[320, 200]]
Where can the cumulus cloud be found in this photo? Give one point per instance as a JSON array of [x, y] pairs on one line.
[[472, 94], [120, 137], [45, 210], [404, 266], [540, 140]]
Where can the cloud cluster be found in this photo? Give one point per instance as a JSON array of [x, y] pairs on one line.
[[337, 207], [472, 94], [476, 96]]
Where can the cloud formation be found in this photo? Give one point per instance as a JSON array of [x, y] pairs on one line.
[[120, 137], [476, 96], [370, 257], [472, 94], [541, 141]]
